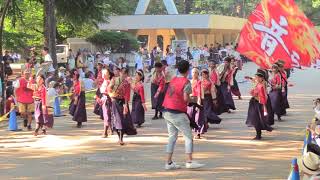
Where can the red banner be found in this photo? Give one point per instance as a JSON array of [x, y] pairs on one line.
[[278, 29]]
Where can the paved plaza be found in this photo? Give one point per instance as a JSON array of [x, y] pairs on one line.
[[227, 149]]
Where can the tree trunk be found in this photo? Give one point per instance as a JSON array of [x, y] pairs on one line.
[[188, 5], [50, 30], [4, 9]]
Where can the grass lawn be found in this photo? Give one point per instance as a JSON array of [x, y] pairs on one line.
[[89, 100]]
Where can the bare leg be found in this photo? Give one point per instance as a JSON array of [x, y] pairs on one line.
[[105, 132], [169, 158], [189, 157], [29, 117]]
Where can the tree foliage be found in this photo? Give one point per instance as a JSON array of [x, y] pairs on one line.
[[79, 18], [316, 3], [105, 40]]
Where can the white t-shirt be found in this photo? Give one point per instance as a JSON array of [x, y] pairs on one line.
[[47, 58]]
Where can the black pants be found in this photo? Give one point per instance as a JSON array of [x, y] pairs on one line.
[[259, 132], [313, 148]]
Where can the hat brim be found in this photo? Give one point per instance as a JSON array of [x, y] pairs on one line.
[[302, 168], [260, 75], [205, 71]]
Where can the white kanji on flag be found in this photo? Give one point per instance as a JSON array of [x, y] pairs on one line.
[[273, 37]]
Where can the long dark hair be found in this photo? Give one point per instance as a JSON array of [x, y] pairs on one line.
[[76, 59], [141, 74]]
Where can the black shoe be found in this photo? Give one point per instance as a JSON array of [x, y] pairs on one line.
[[160, 117], [44, 132], [79, 125], [25, 123], [257, 138], [270, 129], [29, 128], [155, 118]]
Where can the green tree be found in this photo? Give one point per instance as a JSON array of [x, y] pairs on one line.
[[316, 3], [5, 6], [312, 12], [105, 40]]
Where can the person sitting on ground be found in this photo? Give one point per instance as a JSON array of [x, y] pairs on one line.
[[51, 93], [88, 82]]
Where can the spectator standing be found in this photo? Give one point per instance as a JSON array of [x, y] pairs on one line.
[[168, 50], [90, 62], [7, 59], [178, 52], [153, 55], [48, 63], [189, 55], [71, 60], [138, 61]]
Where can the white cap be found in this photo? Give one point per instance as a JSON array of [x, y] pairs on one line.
[[106, 52]]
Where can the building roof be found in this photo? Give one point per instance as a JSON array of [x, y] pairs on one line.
[[196, 21]]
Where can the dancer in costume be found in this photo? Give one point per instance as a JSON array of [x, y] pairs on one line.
[[105, 101], [257, 111], [138, 100], [119, 91], [157, 89], [78, 103]]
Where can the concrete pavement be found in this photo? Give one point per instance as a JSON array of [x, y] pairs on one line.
[[227, 149]]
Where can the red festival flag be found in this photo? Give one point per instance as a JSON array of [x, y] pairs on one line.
[[278, 29]]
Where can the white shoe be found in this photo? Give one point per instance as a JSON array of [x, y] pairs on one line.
[[194, 165], [172, 166]]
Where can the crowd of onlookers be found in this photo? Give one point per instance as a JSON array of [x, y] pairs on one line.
[[309, 162], [89, 63]]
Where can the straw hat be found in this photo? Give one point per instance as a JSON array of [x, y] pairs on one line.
[[27, 71], [309, 163]]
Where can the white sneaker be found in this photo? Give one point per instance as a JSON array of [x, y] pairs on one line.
[[172, 166], [193, 165]]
